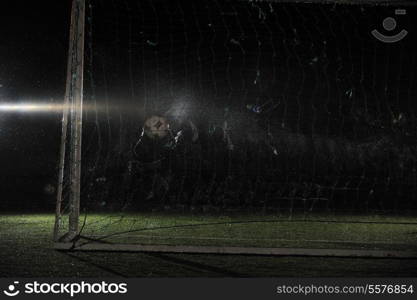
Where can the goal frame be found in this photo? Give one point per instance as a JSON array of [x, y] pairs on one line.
[[72, 119]]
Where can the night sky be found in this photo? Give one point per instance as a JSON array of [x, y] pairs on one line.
[[319, 79]]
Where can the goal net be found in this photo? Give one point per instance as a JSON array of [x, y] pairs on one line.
[[232, 125]]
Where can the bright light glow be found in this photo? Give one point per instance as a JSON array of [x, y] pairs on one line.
[[42, 107], [31, 107]]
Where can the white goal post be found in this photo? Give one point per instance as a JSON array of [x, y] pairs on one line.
[[72, 110]]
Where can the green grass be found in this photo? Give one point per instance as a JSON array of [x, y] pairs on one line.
[[370, 232], [26, 248]]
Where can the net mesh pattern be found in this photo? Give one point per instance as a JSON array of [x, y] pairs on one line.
[[219, 106]]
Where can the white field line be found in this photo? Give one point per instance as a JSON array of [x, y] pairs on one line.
[[162, 237]]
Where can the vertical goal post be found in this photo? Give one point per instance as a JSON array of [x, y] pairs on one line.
[[73, 105]]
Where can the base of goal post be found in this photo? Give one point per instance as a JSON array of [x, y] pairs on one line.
[[79, 246]]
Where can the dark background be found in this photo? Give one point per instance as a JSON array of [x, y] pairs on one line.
[[335, 96], [33, 48]]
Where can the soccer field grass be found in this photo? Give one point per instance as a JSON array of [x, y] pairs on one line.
[[27, 248]]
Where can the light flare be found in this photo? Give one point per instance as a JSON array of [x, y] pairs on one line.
[[31, 107]]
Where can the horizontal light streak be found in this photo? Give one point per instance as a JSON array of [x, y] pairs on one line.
[[31, 107]]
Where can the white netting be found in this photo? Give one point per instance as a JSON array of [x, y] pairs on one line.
[[214, 106]]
